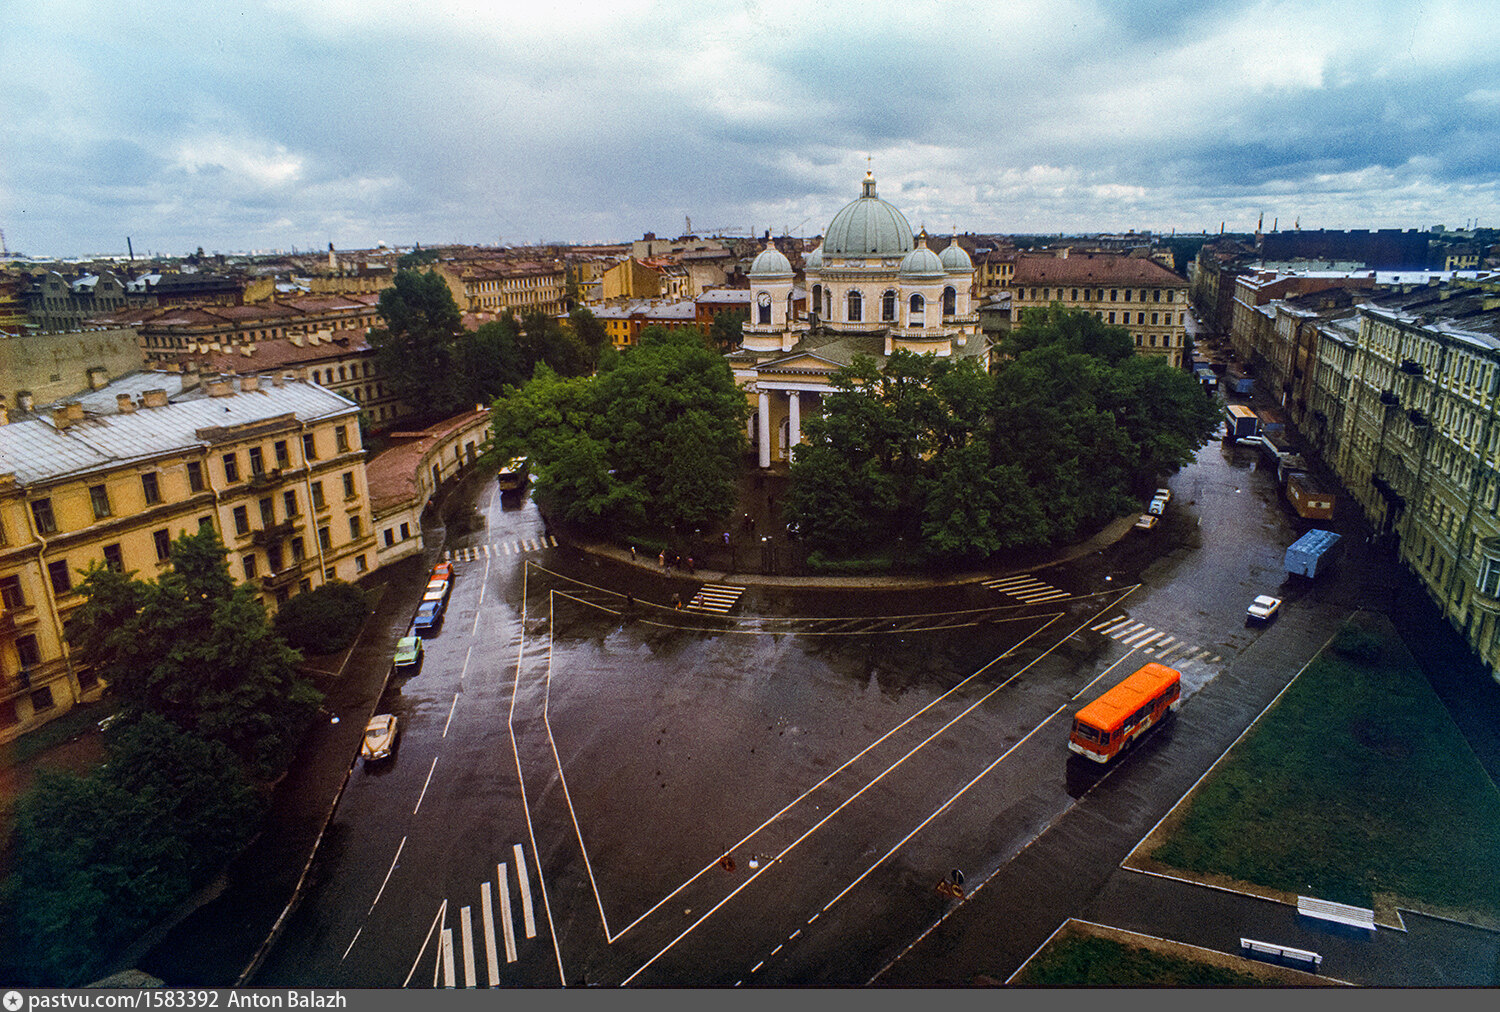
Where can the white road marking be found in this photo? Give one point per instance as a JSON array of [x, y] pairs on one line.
[[526, 912], [436, 920], [487, 913], [351, 944], [467, 654], [1150, 639], [1119, 631], [424, 785], [467, 924], [505, 917], [383, 881], [450, 715], [1130, 640], [448, 975]]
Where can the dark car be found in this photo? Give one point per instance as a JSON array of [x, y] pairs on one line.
[[429, 618]]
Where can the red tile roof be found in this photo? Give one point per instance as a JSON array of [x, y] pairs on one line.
[[1092, 269], [392, 474]]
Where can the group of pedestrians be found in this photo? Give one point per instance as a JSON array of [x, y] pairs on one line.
[[671, 560]]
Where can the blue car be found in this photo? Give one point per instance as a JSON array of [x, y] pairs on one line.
[[429, 618]]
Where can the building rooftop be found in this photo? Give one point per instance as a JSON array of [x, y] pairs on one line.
[[1092, 269], [392, 474]]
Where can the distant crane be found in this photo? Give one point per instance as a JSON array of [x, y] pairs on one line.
[[4, 250]]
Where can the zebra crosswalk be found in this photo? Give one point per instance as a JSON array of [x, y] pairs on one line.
[[716, 598], [465, 959], [1153, 642], [1026, 588], [516, 546]]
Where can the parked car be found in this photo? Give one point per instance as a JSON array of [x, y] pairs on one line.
[[408, 652], [1157, 507], [1164, 494], [380, 738], [1146, 522], [429, 618], [437, 590], [443, 571], [1263, 609]]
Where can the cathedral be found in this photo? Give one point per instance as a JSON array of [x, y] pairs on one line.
[[871, 288]]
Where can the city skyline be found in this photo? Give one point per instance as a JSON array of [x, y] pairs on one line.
[[279, 125]]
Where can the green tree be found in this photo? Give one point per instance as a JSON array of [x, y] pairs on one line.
[[590, 333], [325, 620], [416, 348], [662, 427], [727, 332], [99, 858], [197, 650]]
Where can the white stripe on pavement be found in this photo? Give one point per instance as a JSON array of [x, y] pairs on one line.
[[505, 918], [466, 923], [491, 958], [526, 912]]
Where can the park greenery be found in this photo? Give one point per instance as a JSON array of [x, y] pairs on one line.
[[1355, 787], [1082, 960], [324, 620], [210, 707], [957, 464], [649, 446], [431, 360]]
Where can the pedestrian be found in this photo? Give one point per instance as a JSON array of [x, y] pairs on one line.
[[677, 601], [690, 565], [752, 524], [662, 558], [726, 539], [632, 553]]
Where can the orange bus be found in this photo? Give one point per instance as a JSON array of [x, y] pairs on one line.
[[1110, 723]]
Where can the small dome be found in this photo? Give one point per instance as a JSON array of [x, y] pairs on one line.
[[814, 260], [955, 259], [922, 263], [770, 263], [868, 227]]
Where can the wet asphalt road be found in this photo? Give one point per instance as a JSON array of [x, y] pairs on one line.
[[590, 791]]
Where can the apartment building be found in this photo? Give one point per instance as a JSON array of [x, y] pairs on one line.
[[113, 476], [1132, 292], [503, 286]]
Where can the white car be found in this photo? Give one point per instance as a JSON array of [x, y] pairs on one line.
[[1164, 494], [1146, 522], [1263, 609], [1157, 507]]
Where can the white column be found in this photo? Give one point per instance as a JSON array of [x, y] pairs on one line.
[[794, 427], [765, 429]]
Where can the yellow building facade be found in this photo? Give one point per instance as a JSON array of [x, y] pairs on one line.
[[112, 478]]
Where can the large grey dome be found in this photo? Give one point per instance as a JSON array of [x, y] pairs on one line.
[[868, 227]]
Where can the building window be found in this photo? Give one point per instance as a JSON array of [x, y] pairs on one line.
[[113, 559], [62, 580], [950, 301], [205, 524], [329, 574], [152, 488], [257, 461], [41, 512], [355, 528], [289, 500], [1111, 316], [298, 549], [309, 447], [1114, 294], [390, 537], [267, 512], [41, 699], [241, 520], [325, 541], [359, 564], [9, 715], [249, 563], [1127, 295], [195, 476], [341, 438], [1153, 319], [163, 541], [855, 303], [231, 468], [317, 495], [888, 306], [100, 498], [27, 651], [405, 531], [283, 459], [349, 481], [10, 592]]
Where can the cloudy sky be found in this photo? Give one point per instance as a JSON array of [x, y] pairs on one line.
[[295, 123]]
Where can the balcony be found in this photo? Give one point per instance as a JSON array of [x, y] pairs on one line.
[[274, 534], [282, 578], [262, 480], [1389, 399]]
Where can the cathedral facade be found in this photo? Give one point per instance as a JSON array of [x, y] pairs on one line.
[[871, 288]]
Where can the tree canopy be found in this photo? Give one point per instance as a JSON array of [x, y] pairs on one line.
[[195, 648], [652, 443], [959, 464]]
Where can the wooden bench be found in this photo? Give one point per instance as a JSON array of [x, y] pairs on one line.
[[1281, 955], [1339, 913]]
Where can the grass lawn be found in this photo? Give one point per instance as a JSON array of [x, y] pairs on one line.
[[1355, 787], [1084, 956]]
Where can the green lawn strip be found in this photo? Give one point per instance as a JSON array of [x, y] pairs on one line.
[[1356, 784], [1084, 960], [70, 725]]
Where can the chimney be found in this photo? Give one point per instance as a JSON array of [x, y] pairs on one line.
[[249, 384], [124, 404], [60, 419], [154, 399], [98, 378], [75, 411], [24, 400], [219, 388], [278, 380]]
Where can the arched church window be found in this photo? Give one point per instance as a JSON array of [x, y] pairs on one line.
[[950, 301], [856, 306], [888, 306], [918, 304], [763, 308], [817, 294]]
